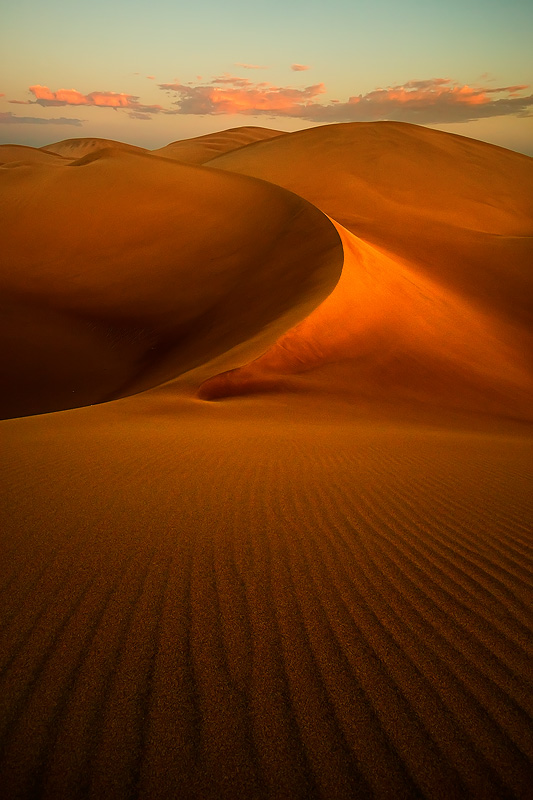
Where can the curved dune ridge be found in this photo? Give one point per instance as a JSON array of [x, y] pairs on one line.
[[77, 148], [410, 315], [318, 586], [204, 148]]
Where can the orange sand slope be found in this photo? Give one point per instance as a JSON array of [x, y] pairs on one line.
[[436, 294], [319, 586]]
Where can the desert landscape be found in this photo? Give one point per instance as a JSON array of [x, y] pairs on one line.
[[267, 435]]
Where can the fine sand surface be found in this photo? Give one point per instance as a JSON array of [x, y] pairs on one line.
[[266, 467]]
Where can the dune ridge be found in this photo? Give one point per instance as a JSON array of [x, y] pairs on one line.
[[77, 148], [318, 586], [402, 321], [204, 148]]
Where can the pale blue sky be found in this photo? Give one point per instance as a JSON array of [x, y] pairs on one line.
[[350, 47]]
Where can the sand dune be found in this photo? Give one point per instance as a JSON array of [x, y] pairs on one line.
[[158, 267], [77, 148], [318, 586], [203, 148], [19, 153], [410, 316]]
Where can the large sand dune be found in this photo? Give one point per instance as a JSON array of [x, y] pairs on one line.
[[318, 586]]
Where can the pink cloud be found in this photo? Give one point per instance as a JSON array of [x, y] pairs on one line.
[[299, 67], [228, 95], [428, 101], [249, 66], [71, 97], [151, 77]]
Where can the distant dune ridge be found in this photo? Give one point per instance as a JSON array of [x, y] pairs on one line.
[[266, 467]]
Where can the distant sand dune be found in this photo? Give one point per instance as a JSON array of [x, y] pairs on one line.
[[19, 153], [77, 148], [204, 148], [319, 586]]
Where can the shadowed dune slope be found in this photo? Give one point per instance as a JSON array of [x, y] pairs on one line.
[[435, 298], [121, 271], [203, 148]]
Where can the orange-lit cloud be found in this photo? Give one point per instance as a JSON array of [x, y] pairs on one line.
[[8, 118], [299, 67], [71, 97], [229, 95], [249, 66], [437, 100]]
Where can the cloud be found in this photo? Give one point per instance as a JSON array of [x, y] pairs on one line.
[[151, 77], [71, 97], [426, 102], [229, 79], [434, 101], [248, 66], [8, 118], [139, 115], [299, 67], [430, 101], [229, 95]]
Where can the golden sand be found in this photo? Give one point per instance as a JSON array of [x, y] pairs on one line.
[[266, 467]]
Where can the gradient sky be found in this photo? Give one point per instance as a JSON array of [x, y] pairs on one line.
[[151, 73]]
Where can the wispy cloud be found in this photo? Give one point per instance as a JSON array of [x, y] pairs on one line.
[[8, 118], [435, 100], [249, 66], [299, 67]]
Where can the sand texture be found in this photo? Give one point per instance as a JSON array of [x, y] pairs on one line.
[[266, 460]]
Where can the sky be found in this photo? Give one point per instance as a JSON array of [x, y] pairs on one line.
[[150, 73]]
